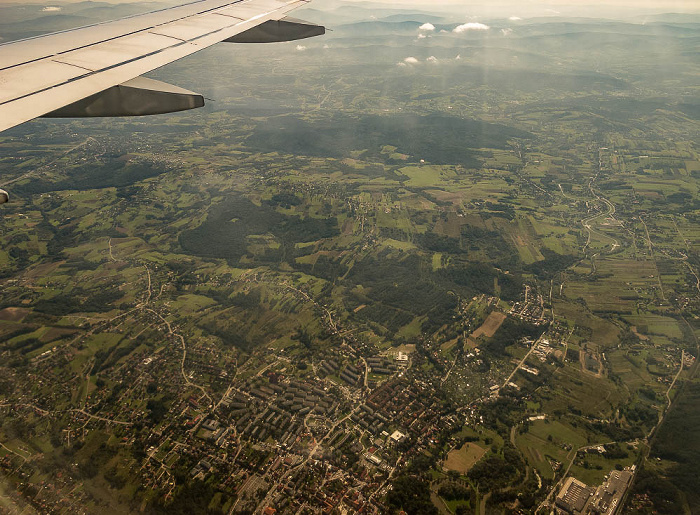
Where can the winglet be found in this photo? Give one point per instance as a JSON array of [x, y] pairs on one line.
[[137, 97], [276, 31]]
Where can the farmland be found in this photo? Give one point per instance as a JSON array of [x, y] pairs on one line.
[[338, 278]]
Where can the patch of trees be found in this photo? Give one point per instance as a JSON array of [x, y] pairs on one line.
[[666, 498], [26, 346], [247, 300], [482, 278], [90, 466], [406, 285], [79, 301], [678, 439], [5, 387], [679, 197], [393, 233], [157, 409], [505, 210], [114, 479], [17, 332], [325, 268], [16, 428], [412, 495], [191, 498], [552, 264], [224, 233], [511, 331], [498, 250], [62, 237], [304, 337], [616, 431], [20, 257], [495, 471], [648, 392], [572, 354], [503, 413], [231, 336], [285, 200], [82, 264], [105, 358], [454, 491], [613, 451], [112, 173], [391, 318], [421, 463], [438, 243], [641, 414], [436, 138]]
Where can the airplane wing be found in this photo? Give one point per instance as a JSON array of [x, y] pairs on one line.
[[95, 70]]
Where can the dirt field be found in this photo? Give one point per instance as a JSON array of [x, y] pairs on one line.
[[13, 314], [55, 333], [490, 326], [464, 459]]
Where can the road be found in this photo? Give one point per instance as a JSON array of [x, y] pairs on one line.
[[587, 222], [184, 356], [544, 504], [653, 258], [522, 362], [41, 168]]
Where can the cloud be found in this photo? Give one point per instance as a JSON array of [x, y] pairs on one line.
[[411, 60], [422, 36], [515, 18], [301, 48], [51, 9], [432, 59], [427, 26], [506, 32], [553, 11], [459, 57], [470, 26]]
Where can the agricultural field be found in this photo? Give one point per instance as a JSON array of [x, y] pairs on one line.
[[463, 459], [341, 277]]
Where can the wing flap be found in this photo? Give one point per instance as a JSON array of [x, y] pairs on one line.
[[41, 74], [106, 55], [194, 28], [99, 58], [39, 47]]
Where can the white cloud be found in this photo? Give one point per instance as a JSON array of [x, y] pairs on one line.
[[470, 26], [422, 36], [427, 26], [459, 57], [411, 60], [506, 32], [301, 48], [432, 59], [553, 11], [51, 9], [515, 18]]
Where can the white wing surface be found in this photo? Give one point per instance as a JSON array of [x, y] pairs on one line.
[[90, 71]]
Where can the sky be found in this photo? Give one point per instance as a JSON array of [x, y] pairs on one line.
[[666, 5], [618, 9], [485, 8]]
